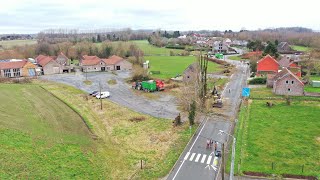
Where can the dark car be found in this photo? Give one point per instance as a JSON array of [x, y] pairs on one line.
[[218, 154], [94, 93]]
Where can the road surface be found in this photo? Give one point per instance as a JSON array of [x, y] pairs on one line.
[[197, 161]]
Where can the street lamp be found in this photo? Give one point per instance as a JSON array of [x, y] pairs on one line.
[[233, 153]]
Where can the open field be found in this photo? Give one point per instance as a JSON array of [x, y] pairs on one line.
[[150, 50], [123, 136], [286, 136], [170, 66], [9, 44], [42, 138], [300, 48], [309, 88], [236, 58]]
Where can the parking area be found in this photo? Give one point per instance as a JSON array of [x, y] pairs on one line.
[[121, 92]]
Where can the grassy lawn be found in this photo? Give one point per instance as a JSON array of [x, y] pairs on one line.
[[309, 88], [150, 50], [9, 44], [300, 48], [288, 136], [170, 66], [123, 136], [236, 58], [42, 138]]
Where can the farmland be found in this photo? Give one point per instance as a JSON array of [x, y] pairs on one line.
[[42, 138], [278, 140], [300, 48], [170, 66], [66, 150], [150, 50], [11, 43]]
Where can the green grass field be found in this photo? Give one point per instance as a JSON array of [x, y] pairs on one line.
[[123, 137], [150, 50], [170, 66], [9, 44], [300, 48], [236, 58], [288, 136], [42, 138]]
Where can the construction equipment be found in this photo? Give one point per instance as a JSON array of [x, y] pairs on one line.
[[149, 86], [217, 100]]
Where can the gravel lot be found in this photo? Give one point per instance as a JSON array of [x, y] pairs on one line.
[[121, 93]]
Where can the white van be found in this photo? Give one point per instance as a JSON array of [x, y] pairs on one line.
[[103, 95]]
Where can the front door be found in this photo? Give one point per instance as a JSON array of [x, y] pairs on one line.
[[103, 68]]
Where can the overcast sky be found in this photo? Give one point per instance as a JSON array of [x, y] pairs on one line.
[[32, 16]]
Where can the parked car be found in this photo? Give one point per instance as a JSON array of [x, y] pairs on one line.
[[218, 154], [94, 93], [103, 95]]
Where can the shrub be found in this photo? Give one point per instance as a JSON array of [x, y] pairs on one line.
[[139, 74], [258, 81]]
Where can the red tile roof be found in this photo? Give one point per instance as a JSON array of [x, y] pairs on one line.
[[44, 61], [113, 60], [85, 57], [40, 57], [90, 60], [12, 64], [285, 72]]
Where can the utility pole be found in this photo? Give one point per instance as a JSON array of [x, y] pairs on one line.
[[232, 158], [100, 95], [86, 73], [223, 165]]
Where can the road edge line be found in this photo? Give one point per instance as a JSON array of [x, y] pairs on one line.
[[201, 124]]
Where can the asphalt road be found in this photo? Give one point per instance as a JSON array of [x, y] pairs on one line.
[[196, 162], [121, 93]]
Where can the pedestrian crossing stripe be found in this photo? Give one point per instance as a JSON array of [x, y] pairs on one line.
[[203, 158], [197, 156], [192, 156], [187, 155]]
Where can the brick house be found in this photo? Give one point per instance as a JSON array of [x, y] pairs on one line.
[[288, 62], [92, 64], [286, 83], [18, 68], [49, 65], [117, 63], [190, 73], [267, 65], [64, 62], [283, 47]]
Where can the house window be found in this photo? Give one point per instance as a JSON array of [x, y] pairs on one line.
[[292, 82], [289, 89], [101, 63], [16, 72], [7, 73], [287, 82], [95, 68]]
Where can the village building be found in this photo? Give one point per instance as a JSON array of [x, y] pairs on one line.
[[17, 68], [284, 47], [49, 65], [117, 63], [92, 64], [288, 62], [286, 83], [267, 65]]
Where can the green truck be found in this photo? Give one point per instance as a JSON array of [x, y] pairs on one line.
[[149, 86], [219, 55]]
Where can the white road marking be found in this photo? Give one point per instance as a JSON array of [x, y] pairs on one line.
[[192, 156], [198, 157], [187, 155], [190, 149], [203, 158], [209, 159]]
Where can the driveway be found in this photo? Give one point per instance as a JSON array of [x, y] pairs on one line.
[[121, 93]]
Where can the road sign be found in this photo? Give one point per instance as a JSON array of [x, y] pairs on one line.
[[245, 92]]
